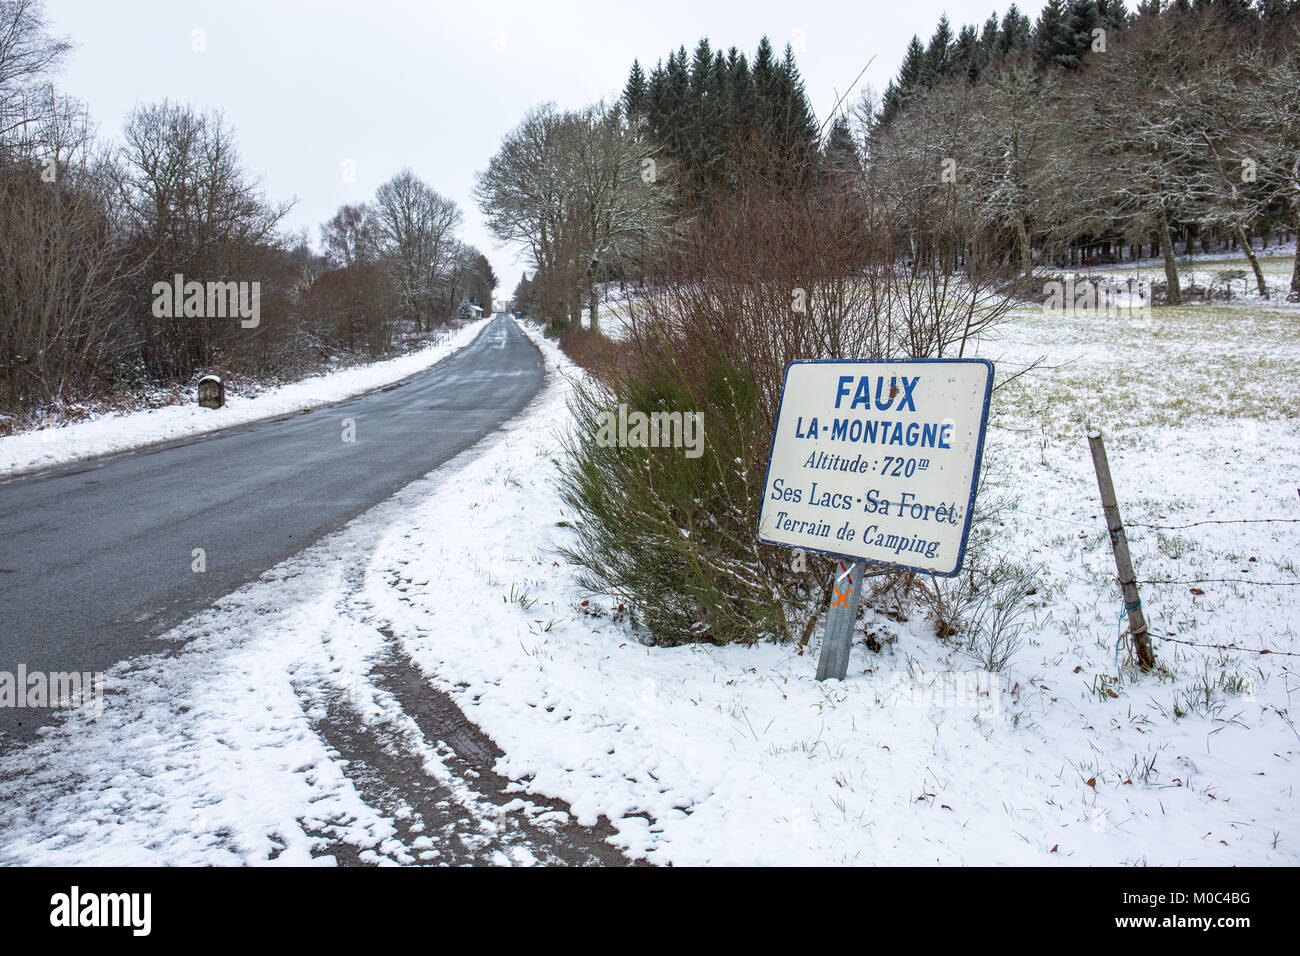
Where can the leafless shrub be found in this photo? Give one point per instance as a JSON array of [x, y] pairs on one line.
[[983, 607], [998, 620]]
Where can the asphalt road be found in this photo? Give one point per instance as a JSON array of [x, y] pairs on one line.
[[96, 558]]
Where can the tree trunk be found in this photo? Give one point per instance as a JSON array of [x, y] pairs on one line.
[[1026, 258], [1173, 296], [1248, 248], [1294, 294], [592, 300]]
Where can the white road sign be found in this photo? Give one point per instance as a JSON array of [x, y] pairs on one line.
[[878, 460]]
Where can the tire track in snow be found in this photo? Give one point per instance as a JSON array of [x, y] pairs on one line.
[[414, 757]]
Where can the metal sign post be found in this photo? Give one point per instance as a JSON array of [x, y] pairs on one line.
[[834, 660], [875, 461]]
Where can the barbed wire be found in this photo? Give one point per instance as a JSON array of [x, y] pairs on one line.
[[1272, 584], [1229, 647], [1153, 527], [1177, 527]]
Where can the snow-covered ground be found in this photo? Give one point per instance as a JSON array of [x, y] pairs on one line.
[[105, 434], [736, 755], [1205, 270], [1216, 270]]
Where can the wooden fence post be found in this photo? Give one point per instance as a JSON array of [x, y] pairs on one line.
[[1137, 624]]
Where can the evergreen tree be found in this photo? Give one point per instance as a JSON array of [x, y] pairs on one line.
[[965, 54], [708, 111], [986, 49], [674, 118], [1053, 45], [911, 73], [765, 83], [891, 101], [636, 92], [840, 153], [701, 117], [1112, 15], [938, 54], [1081, 18], [740, 92], [1017, 32], [798, 127], [909, 78]]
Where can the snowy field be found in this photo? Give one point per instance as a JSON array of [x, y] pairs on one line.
[[736, 755], [108, 433], [1219, 270]]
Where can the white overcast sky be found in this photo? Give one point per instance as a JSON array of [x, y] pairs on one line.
[[310, 84]]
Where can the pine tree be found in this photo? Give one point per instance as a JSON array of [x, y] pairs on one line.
[[740, 92], [987, 49], [909, 78], [912, 71], [765, 83], [965, 54], [1112, 15], [700, 116], [840, 155], [722, 132], [1081, 19], [1017, 32], [635, 93], [938, 53], [676, 105], [797, 124], [708, 111], [1052, 44]]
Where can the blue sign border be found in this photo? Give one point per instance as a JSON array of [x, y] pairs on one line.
[[975, 474]]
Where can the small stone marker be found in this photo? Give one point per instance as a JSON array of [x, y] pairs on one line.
[[212, 392]]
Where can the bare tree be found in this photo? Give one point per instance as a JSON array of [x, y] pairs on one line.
[[525, 199], [191, 209], [349, 237], [472, 278], [27, 55], [1271, 141], [1136, 171], [415, 228], [573, 190], [64, 278], [1012, 133], [618, 204], [356, 298]]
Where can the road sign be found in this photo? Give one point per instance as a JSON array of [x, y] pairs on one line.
[[877, 460]]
